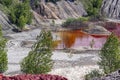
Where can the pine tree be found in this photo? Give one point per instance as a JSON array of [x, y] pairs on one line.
[[3, 54], [39, 59], [93, 8], [110, 55], [20, 14]]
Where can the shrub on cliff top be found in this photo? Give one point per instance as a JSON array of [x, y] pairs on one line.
[[75, 21], [20, 14], [93, 8]]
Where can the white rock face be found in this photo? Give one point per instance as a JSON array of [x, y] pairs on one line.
[[111, 8], [61, 10], [5, 23]]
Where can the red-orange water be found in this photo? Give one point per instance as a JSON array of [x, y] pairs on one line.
[[77, 38]]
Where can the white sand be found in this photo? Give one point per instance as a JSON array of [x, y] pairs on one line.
[[16, 53], [74, 73]]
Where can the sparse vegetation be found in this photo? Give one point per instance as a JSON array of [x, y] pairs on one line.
[[73, 21], [93, 8], [93, 74], [39, 59], [18, 12], [3, 53]]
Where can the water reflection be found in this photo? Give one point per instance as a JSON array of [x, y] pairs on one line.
[[77, 39]]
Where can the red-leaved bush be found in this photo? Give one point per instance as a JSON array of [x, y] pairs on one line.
[[33, 77]]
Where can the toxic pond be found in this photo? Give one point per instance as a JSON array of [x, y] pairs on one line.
[[76, 39]]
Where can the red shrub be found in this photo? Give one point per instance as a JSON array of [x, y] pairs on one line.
[[33, 77]]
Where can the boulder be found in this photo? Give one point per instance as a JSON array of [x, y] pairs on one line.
[[97, 29]]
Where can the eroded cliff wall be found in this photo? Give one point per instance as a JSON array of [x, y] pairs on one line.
[[60, 10], [111, 8], [7, 26]]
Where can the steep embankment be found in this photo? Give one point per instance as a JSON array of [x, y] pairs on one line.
[[111, 8], [45, 10], [5, 23], [60, 10], [8, 27]]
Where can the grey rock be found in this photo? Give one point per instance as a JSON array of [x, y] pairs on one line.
[[112, 76], [5, 23], [111, 8], [60, 10], [97, 29]]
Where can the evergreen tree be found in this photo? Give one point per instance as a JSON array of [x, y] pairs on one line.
[[20, 14], [93, 8], [12, 15], [39, 59], [110, 55], [3, 54], [6, 2], [21, 22]]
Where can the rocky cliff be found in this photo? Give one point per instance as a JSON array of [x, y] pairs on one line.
[[60, 10], [111, 8], [5, 23], [46, 10]]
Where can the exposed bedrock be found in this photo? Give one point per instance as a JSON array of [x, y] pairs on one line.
[[111, 8]]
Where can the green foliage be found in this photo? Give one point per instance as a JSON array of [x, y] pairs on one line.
[[39, 59], [18, 11], [53, 22], [70, 21], [3, 53], [93, 74], [21, 22], [6, 2], [20, 14], [12, 16], [4, 9], [110, 55], [82, 19], [92, 7]]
